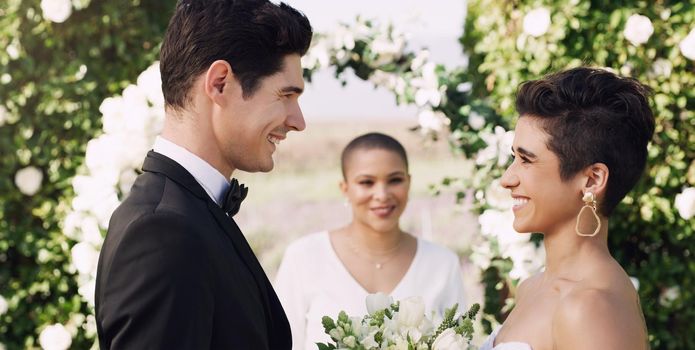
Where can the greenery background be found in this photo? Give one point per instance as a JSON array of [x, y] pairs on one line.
[[52, 111]]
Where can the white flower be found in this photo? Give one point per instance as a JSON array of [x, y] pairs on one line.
[[56, 10], [150, 81], [428, 89], [337, 333], [687, 45], [669, 295], [499, 146], [498, 197], [685, 203], [13, 50], [3, 115], [378, 301], [662, 67], [350, 341], [476, 121], [55, 337], [537, 22], [431, 121], [638, 29], [449, 340], [3, 305], [2, 346], [28, 180], [411, 312], [87, 291], [84, 257]]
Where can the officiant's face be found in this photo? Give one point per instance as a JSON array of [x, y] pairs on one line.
[[543, 202], [376, 184], [248, 130]]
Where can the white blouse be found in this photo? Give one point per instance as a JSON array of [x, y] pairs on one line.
[[312, 282]]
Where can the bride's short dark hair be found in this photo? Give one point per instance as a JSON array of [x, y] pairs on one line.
[[593, 116], [372, 140]]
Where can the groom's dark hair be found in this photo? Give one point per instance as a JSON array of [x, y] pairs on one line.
[[253, 36], [593, 116], [369, 141]]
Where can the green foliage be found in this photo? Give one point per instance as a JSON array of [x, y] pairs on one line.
[[647, 235], [51, 87]]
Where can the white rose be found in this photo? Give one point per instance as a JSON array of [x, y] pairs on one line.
[[662, 67], [56, 10], [687, 45], [150, 81], [685, 203], [28, 180], [537, 22], [449, 340], [3, 305], [411, 312], [378, 301], [55, 337], [638, 29], [476, 121], [84, 257], [87, 291]]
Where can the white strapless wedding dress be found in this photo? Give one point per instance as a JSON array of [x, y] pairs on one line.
[[489, 344]]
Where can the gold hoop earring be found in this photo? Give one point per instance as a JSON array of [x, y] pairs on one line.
[[589, 203]]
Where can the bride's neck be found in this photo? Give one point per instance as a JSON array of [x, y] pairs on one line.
[[568, 253], [367, 238]]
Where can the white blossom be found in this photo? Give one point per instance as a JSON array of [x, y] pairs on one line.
[[87, 290], [635, 282], [84, 257], [56, 10], [3, 115], [669, 295], [13, 50], [498, 197], [3, 305], [499, 145], [537, 22], [411, 312], [28, 180], [685, 203], [55, 337], [449, 340], [638, 29], [662, 67], [378, 301], [431, 121], [687, 45], [476, 121]]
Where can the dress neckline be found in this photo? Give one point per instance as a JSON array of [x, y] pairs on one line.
[[343, 269]]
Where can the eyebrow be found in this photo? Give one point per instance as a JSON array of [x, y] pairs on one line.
[[395, 173], [526, 153], [294, 89]]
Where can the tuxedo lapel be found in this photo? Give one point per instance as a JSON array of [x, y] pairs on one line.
[[159, 163]]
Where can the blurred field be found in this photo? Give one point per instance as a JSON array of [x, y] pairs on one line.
[[301, 194]]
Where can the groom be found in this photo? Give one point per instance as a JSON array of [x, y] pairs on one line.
[[175, 271]]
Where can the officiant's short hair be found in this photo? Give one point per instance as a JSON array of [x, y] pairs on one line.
[[369, 141], [593, 116], [253, 36]]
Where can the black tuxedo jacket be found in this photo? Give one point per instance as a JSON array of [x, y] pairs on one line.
[[175, 272]]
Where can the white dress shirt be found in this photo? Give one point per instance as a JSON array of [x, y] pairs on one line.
[[212, 181]]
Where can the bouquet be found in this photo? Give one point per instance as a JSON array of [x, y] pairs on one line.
[[400, 325]]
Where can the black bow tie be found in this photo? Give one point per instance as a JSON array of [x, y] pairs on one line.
[[235, 195]]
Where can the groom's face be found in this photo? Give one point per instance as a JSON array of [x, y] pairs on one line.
[[249, 130]]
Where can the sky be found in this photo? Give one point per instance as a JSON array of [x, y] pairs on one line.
[[435, 27]]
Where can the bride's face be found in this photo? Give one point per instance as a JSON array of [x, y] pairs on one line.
[[376, 185], [543, 202]]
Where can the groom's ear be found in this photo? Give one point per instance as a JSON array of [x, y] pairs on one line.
[[218, 81]]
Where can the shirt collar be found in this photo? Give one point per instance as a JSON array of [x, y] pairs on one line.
[[212, 181]]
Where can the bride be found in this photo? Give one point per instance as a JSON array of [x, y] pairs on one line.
[[580, 145]]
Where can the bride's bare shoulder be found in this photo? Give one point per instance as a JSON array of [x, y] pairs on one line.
[[597, 318]]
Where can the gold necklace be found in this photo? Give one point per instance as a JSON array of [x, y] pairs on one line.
[[390, 253]]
